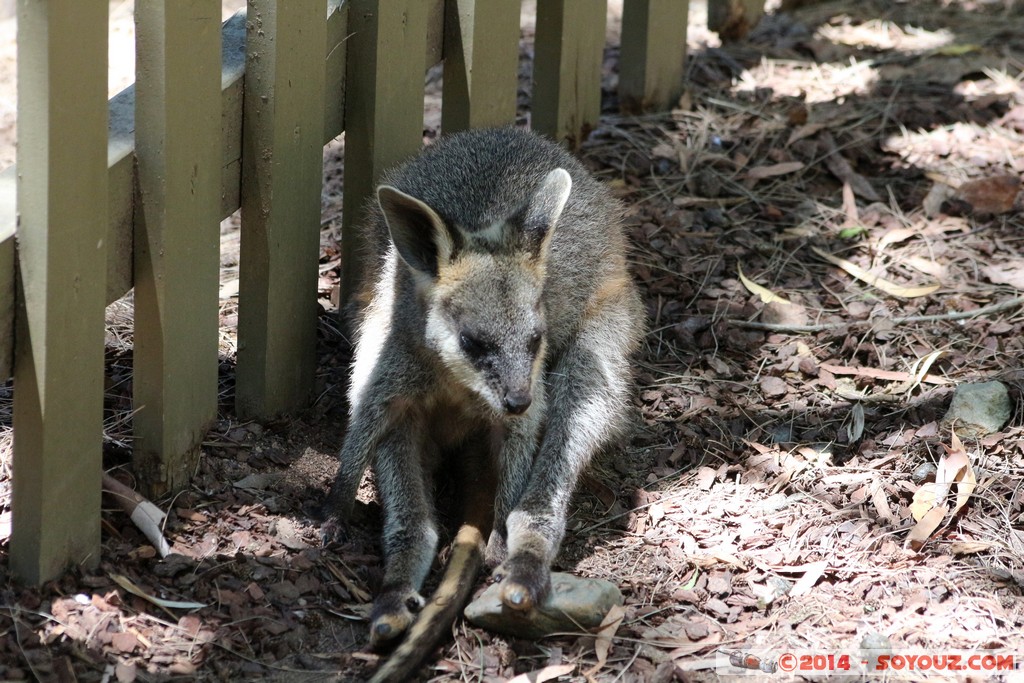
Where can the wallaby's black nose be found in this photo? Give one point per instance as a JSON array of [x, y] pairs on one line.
[[516, 402]]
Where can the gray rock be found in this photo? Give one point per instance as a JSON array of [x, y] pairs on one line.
[[978, 409], [872, 646], [574, 604], [776, 313]]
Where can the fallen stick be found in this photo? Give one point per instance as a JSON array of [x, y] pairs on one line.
[[146, 516], [824, 327]]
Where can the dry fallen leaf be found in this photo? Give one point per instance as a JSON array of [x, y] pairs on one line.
[[850, 205], [895, 235], [969, 547], [805, 131], [806, 582], [928, 507], [767, 295], [130, 586], [886, 286], [603, 643], [656, 513], [1006, 273], [924, 528], [958, 463], [921, 368], [841, 169], [995, 194], [924, 500], [932, 202], [881, 504], [548, 673], [762, 172]]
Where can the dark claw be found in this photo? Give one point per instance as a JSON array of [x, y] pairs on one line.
[[332, 531], [526, 580]]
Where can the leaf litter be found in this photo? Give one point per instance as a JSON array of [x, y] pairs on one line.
[[768, 498]]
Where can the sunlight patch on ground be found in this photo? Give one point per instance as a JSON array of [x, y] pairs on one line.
[[884, 35], [814, 82], [958, 150]]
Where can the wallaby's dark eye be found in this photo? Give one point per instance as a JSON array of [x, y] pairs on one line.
[[535, 342], [471, 345]]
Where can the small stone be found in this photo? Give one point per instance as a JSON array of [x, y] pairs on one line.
[[774, 386], [696, 630], [125, 643], [573, 603], [978, 409], [776, 313], [718, 607], [125, 672], [872, 646], [924, 472]]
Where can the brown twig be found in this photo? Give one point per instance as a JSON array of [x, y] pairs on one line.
[[824, 327]]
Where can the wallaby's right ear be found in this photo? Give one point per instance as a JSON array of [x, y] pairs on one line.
[[421, 237]]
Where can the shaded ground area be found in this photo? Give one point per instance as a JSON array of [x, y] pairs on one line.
[[765, 500]]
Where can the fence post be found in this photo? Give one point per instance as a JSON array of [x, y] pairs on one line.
[[282, 177], [481, 57], [177, 236], [653, 54], [567, 68], [383, 108], [8, 224], [62, 201]]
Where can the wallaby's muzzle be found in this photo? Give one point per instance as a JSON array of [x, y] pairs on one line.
[[517, 402]]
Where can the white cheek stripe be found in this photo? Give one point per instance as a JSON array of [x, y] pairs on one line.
[[445, 341]]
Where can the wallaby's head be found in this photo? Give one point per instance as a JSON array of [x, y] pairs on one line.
[[482, 287]]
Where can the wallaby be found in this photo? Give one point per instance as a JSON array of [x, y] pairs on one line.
[[499, 316]]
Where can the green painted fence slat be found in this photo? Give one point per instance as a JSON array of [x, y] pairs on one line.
[[567, 68], [481, 59], [177, 236], [383, 108], [653, 53], [8, 224], [62, 202], [282, 175]]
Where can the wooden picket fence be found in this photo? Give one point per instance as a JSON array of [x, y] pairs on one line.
[[110, 196]]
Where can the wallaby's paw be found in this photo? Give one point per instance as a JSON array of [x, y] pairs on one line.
[[393, 614], [332, 531], [525, 582], [496, 551]]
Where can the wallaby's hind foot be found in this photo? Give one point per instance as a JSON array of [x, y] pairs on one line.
[[394, 611], [332, 531], [525, 581]]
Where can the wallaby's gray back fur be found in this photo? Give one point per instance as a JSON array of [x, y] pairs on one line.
[[495, 339]]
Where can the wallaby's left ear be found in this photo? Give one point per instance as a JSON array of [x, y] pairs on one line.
[[539, 216], [421, 237]]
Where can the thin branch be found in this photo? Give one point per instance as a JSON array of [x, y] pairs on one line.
[[824, 327]]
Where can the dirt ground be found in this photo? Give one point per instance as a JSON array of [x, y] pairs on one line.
[[765, 502]]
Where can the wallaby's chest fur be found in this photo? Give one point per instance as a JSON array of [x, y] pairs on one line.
[[497, 324]]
